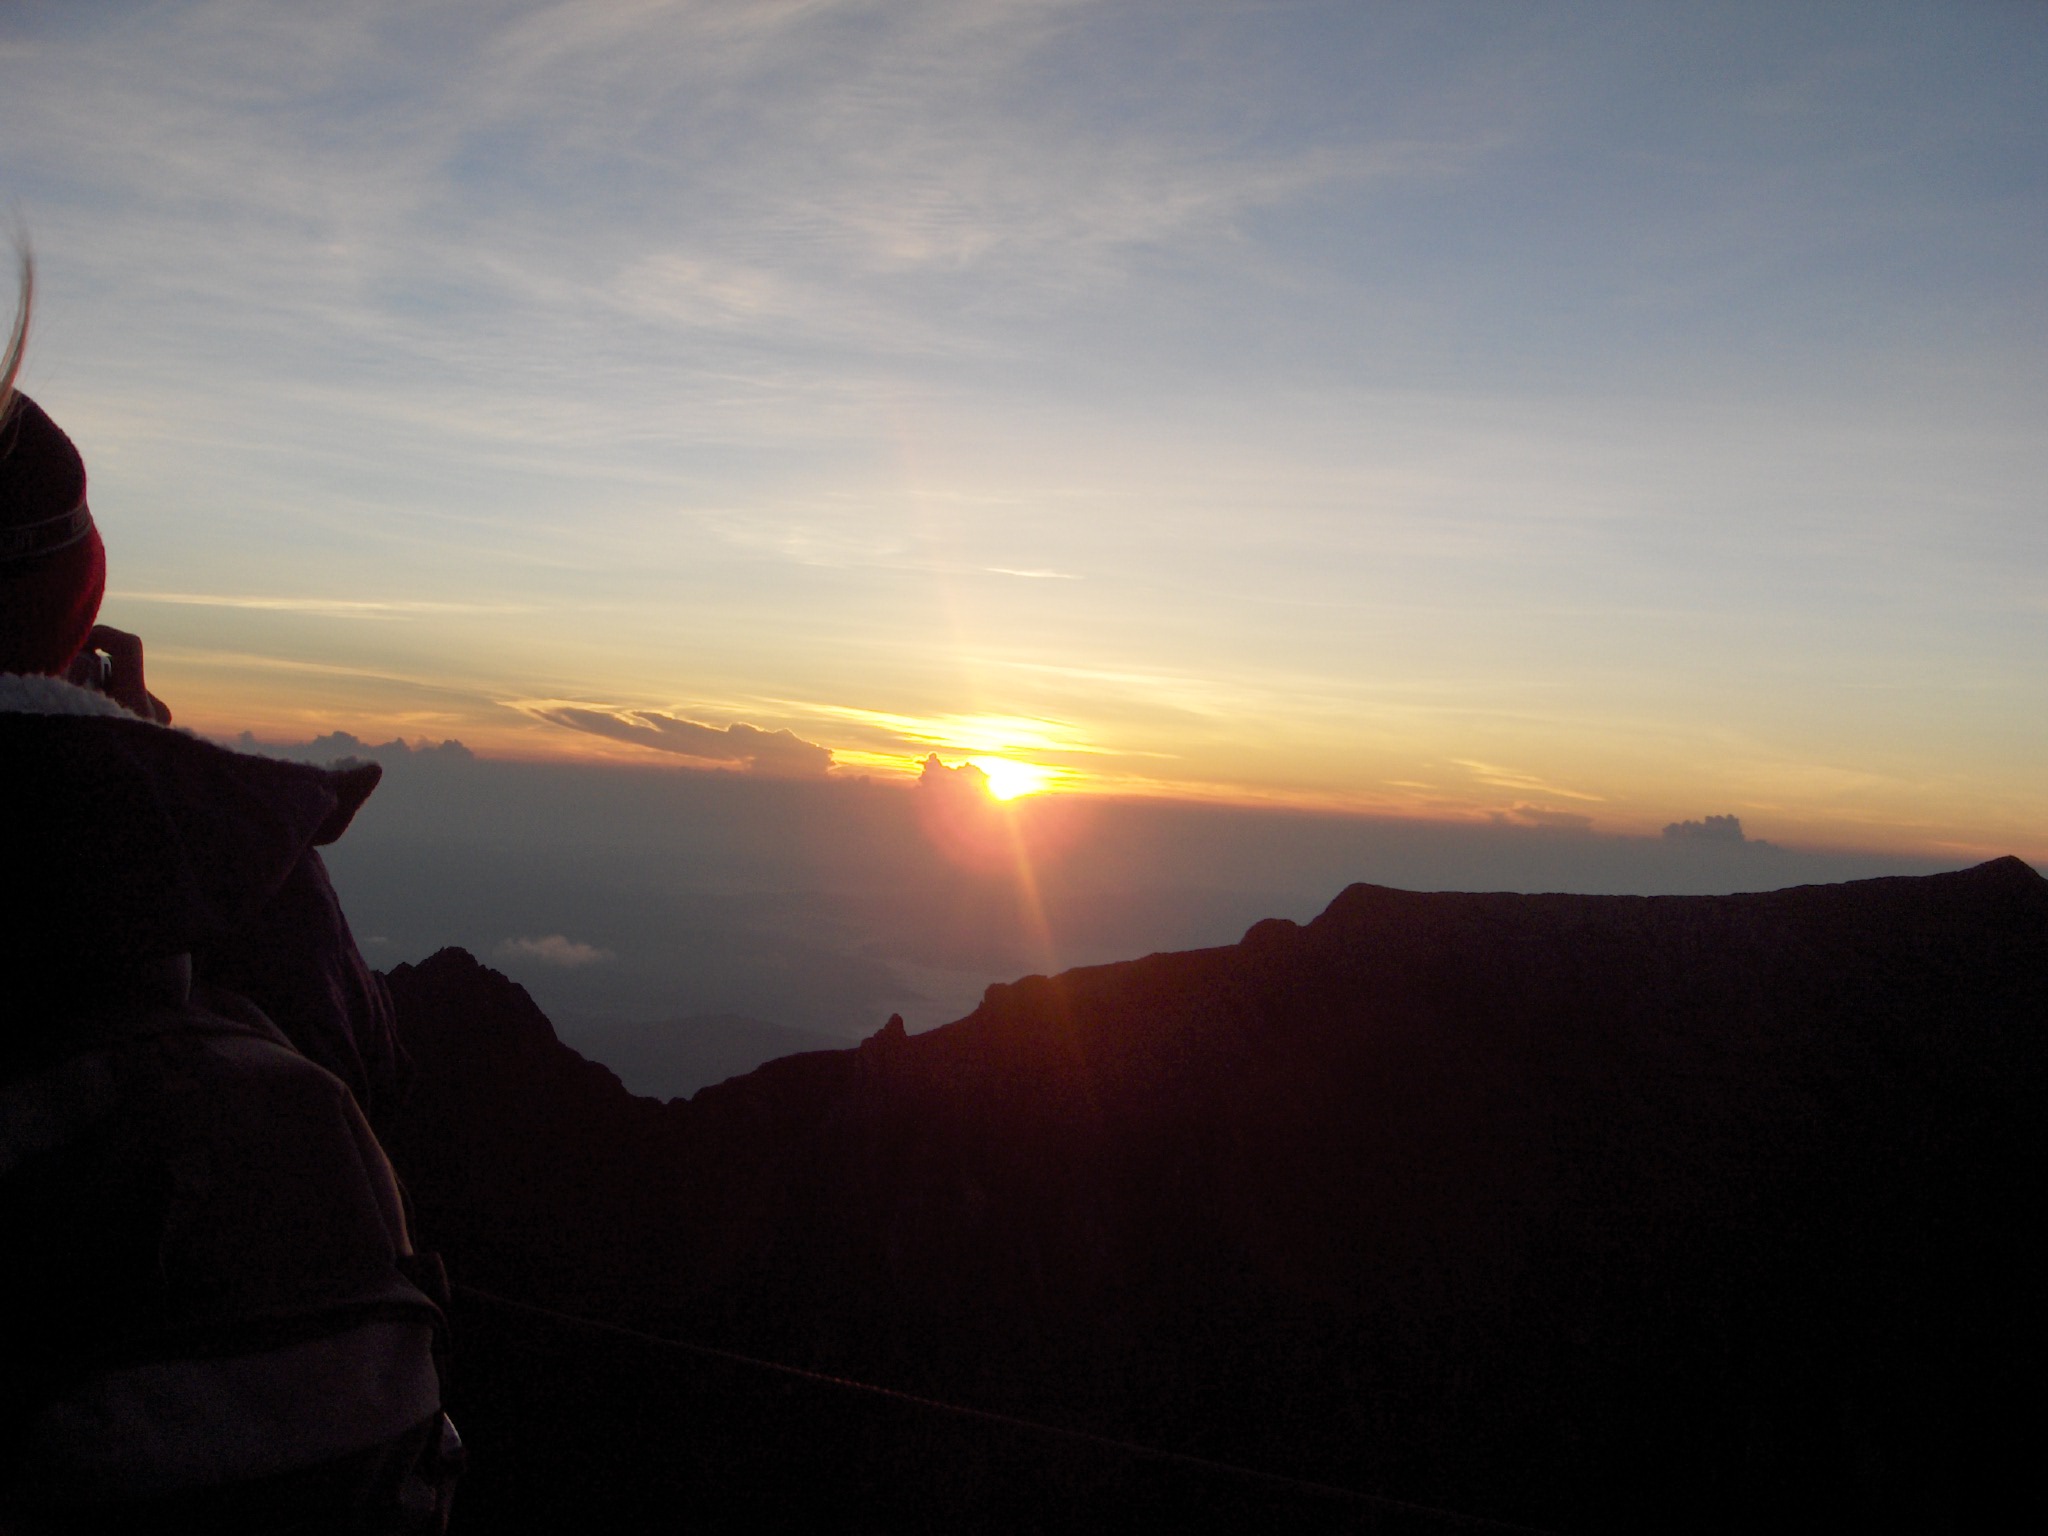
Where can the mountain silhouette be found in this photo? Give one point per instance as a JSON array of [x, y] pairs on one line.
[[1587, 1213]]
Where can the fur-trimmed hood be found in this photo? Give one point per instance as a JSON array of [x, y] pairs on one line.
[[122, 839]]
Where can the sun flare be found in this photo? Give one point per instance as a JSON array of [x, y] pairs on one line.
[[1008, 780]]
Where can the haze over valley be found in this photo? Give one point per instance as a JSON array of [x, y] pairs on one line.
[[684, 925]]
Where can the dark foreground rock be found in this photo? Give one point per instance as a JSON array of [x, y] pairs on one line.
[[1592, 1213]]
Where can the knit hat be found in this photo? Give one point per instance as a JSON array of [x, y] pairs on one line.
[[53, 568]]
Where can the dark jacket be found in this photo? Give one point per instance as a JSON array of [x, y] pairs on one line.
[[127, 843], [209, 1315]]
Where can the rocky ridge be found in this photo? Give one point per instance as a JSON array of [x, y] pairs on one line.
[[1591, 1213]]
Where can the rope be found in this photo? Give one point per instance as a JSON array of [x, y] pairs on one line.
[[1276, 1480]]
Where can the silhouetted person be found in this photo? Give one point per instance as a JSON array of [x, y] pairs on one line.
[[209, 1315]]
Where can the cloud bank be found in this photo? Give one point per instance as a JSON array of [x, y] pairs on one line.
[[1720, 831], [780, 754]]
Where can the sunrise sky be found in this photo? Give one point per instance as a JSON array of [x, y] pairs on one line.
[[1529, 411]]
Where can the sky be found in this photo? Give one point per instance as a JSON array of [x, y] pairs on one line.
[[1569, 417]]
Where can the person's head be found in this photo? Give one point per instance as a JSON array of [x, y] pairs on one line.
[[53, 568]]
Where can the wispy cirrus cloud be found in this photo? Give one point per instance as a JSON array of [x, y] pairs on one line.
[[1511, 778], [325, 607], [774, 169]]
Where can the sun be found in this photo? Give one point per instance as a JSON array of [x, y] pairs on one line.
[[1008, 780]]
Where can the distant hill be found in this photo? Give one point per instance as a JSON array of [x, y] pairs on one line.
[[1590, 1213], [673, 1058]]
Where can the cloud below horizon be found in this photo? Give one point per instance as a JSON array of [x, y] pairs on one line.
[[554, 949], [1721, 831]]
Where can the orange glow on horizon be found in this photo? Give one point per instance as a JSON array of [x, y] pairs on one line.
[[288, 701]]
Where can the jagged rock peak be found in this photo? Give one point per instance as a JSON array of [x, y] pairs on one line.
[[891, 1033]]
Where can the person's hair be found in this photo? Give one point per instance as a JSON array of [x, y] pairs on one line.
[[53, 567], [17, 336]]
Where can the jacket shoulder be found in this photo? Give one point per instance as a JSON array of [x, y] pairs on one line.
[[136, 838]]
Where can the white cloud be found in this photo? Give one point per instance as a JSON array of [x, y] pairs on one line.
[[554, 949]]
